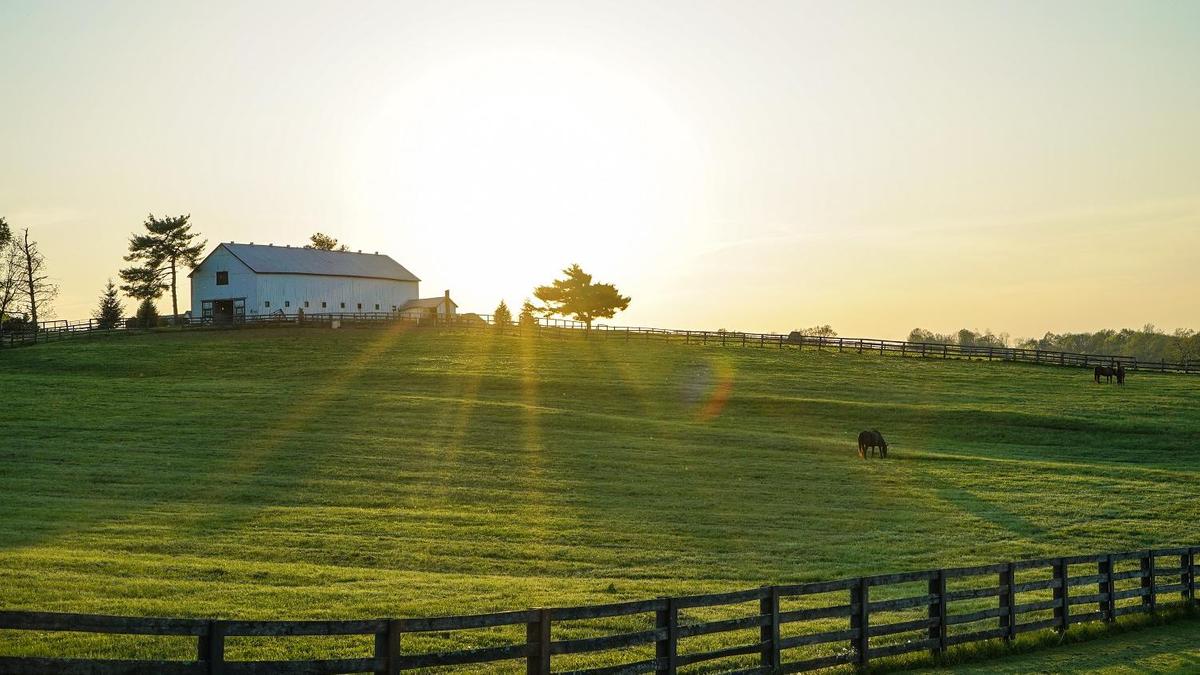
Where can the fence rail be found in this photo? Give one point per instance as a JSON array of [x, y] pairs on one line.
[[66, 330], [849, 621]]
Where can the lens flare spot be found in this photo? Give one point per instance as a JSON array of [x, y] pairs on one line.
[[708, 388]]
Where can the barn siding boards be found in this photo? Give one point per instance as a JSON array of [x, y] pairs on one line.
[[334, 291]]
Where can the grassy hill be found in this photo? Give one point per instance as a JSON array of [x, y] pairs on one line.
[[349, 474]]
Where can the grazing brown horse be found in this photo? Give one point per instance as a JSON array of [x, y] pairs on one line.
[[1104, 371], [869, 441]]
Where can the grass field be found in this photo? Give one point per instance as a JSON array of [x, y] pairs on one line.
[[351, 474], [1170, 648]]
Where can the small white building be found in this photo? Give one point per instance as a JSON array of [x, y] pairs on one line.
[[239, 280], [430, 308]]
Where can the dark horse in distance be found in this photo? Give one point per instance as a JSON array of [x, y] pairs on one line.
[[1109, 372], [869, 441]]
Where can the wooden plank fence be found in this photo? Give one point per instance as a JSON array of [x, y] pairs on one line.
[[559, 327], [800, 627]]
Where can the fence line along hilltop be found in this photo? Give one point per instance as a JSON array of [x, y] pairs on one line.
[[62, 330]]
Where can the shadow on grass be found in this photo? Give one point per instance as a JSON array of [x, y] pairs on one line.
[[989, 511]]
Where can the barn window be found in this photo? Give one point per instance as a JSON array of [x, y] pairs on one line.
[[360, 306], [343, 305], [287, 303], [322, 305], [306, 304], [266, 303], [222, 278], [376, 307]]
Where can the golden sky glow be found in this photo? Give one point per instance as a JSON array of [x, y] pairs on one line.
[[877, 166]]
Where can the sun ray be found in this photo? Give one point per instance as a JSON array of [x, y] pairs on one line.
[[252, 458]]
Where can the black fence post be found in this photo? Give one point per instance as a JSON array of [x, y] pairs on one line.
[[1148, 599], [667, 647], [937, 611], [768, 634], [860, 595], [1185, 574], [537, 640], [1191, 584], [211, 648], [1062, 611], [1008, 602], [1108, 603], [387, 649]]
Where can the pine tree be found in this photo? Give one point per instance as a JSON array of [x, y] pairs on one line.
[[502, 317], [110, 312], [527, 317], [167, 244], [576, 296], [147, 314]]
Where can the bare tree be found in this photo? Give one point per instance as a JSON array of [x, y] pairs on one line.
[[36, 289]]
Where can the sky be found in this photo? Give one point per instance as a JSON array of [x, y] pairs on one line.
[[878, 166]]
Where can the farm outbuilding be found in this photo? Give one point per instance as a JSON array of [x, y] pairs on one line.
[[430, 308], [239, 280]]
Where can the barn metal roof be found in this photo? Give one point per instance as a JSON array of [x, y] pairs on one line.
[[293, 260]]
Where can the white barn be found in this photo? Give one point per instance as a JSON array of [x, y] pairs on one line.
[[239, 280]]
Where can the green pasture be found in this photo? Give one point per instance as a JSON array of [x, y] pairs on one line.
[[306, 473]]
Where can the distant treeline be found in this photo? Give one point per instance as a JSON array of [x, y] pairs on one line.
[[1147, 344]]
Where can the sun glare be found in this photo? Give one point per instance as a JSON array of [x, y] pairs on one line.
[[547, 160]]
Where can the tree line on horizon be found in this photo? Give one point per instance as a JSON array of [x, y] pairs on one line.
[[168, 244], [1146, 344]]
